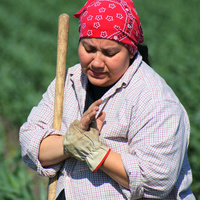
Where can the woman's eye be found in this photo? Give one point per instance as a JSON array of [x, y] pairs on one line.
[[90, 50], [109, 54]]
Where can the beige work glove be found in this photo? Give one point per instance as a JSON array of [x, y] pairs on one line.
[[85, 146]]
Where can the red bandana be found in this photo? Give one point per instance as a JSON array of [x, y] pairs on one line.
[[111, 19]]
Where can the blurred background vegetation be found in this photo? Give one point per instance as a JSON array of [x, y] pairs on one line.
[[28, 40]]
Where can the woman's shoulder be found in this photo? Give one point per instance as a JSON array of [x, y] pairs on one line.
[[74, 69], [74, 72], [147, 83]]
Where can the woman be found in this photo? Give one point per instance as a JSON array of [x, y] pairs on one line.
[[124, 133]]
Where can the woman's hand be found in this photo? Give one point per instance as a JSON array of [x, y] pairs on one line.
[[89, 115], [112, 165], [48, 156]]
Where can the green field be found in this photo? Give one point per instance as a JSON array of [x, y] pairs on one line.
[[28, 40]]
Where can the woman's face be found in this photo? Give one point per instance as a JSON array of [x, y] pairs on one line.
[[103, 61]]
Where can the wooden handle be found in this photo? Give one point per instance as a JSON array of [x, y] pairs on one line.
[[63, 30]]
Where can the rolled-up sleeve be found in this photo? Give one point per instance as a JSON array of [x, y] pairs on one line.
[[158, 139], [38, 127]]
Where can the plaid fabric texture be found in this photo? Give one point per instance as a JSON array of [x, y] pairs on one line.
[[145, 123]]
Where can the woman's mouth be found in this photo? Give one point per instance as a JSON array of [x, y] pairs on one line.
[[97, 74]]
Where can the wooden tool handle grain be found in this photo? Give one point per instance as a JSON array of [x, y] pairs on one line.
[[63, 30]]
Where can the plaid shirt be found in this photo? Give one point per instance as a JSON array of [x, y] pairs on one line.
[[145, 123]]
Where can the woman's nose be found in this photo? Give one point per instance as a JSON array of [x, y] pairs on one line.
[[98, 60]]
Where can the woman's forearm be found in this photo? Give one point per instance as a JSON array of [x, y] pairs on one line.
[[114, 167], [51, 150]]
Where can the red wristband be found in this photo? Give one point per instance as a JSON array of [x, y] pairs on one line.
[[102, 161]]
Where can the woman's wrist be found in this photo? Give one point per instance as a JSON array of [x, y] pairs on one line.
[[113, 166]]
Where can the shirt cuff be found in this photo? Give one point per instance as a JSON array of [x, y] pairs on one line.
[[134, 173], [33, 153]]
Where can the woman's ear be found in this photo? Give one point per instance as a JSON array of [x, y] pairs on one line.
[[131, 56]]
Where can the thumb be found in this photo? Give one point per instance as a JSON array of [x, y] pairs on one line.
[[100, 120]]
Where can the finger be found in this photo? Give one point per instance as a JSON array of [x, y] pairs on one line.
[[100, 120], [93, 107], [91, 112], [84, 123], [102, 116], [86, 120], [89, 115]]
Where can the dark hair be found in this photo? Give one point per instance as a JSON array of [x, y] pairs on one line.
[[143, 49]]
